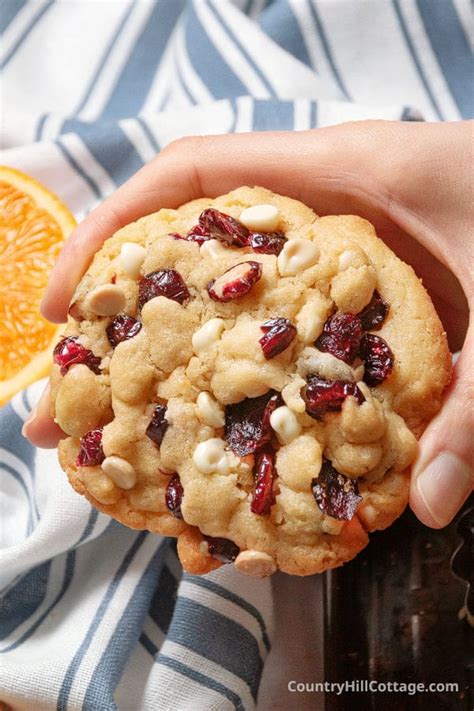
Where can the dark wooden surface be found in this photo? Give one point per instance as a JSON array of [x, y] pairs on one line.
[[392, 615]]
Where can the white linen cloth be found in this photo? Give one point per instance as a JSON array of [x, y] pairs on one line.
[[93, 615]]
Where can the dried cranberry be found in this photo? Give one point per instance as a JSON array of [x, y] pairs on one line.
[[335, 494], [375, 313], [278, 334], [341, 336], [378, 359], [121, 328], [267, 242], [165, 282], [223, 227], [247, 423], [174, 496], [322, 396], [113, 279], [235, 282], [198, 234], [70, 352], [222, 548], [158, 425], [90, 451], [264, 474]]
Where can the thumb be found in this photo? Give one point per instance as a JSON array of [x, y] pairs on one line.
[[443, 477]]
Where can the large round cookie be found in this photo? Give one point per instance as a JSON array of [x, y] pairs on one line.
[[252, 385]]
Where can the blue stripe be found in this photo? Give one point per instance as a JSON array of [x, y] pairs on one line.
[[40, 126], [79, 170], [452, 50], [232, 597], [164, 101], [75, 663], [313, 114], [104, 58], [17, 453], [107, 673], [233, 108], [416, 61], [146, 642], [191, 673], [93, 516], [279, 23], [68, 574], [183, 84], [25, 33], [248, 7], [210, 66], [26, 403], [217, 638], [327, 50], [23, 599], [134, 83], [410, 114], [273, 115], [163, 601], [10, 429], [110, 147], [202, 679], [10, 9], [235, 40], [149, 134]]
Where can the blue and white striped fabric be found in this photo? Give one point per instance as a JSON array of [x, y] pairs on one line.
[[95, 616]]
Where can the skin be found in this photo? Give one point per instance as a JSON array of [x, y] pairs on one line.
[[413, 181]]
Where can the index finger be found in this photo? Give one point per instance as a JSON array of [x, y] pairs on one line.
[[347, 168]]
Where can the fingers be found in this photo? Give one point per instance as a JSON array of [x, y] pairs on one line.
[[357, 168], [443, 475], [40, 428], [188, 169]]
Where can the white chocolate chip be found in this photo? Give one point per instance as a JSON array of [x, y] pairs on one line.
[[132, 256], [106, 300], [297, 255], [325, 365], [284, 422], [367, 514], [332, 525], [207, 335], [212, 248], [291, 394], [255, 563], [120, 471], [311, 317], [210, 456], [260, 218], [347, 259], [209, 411], [353, 256]]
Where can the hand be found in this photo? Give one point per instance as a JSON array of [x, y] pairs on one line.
[[411, 180]]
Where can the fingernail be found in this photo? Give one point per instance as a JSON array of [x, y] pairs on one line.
[[29, 419], [444, 485]]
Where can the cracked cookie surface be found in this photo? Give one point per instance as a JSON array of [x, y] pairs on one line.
[[252, 381]]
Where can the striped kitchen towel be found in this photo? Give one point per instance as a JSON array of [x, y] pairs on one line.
[[93, 615]]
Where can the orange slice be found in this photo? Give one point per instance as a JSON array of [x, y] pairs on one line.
[[33, 226]]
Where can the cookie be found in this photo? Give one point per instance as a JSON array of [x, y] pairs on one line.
[[251, 378]]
